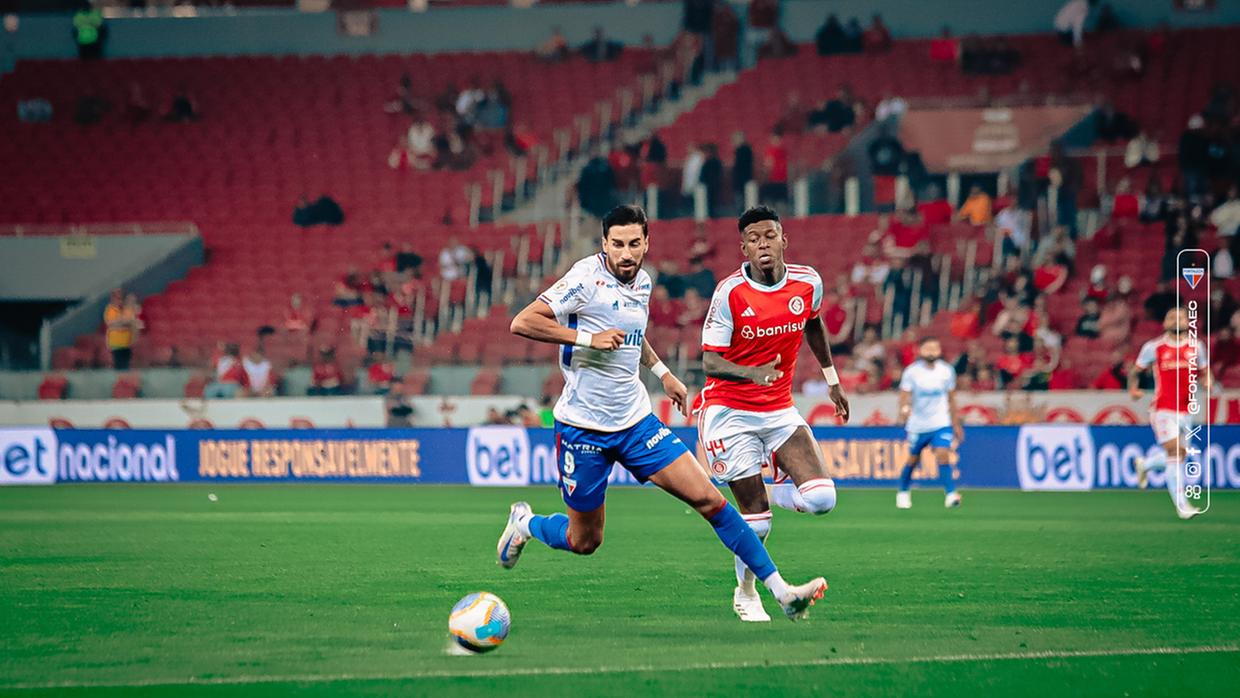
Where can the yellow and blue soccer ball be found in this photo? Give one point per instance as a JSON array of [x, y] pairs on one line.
[[479, 622]]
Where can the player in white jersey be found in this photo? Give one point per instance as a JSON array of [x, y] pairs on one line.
[[928, 408], [598, 313]]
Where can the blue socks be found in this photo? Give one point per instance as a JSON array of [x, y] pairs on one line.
[[552, 530], [946, 476], [736, 534], [906, 477]]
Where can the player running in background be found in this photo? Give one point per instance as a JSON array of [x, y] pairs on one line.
[[598, 312], [1171, 355], [928, 409], [750, 341]]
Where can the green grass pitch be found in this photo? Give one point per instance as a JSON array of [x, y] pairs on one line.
[[328, 590]]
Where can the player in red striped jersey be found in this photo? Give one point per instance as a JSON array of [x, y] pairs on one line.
[[1172, 356], [750, 340]]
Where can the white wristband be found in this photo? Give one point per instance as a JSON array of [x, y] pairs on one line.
[[583, 339], [659, 370], [832, 377]]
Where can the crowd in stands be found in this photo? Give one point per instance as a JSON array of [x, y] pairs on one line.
[[456, 128]]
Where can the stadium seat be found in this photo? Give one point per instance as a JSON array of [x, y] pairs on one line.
[[54, 386]]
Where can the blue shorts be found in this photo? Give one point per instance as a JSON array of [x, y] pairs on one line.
[[585, 457], [939, 438]]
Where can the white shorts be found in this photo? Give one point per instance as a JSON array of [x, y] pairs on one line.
[[738, 442], [1169, 425]]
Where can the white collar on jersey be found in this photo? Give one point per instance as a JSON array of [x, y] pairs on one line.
[[602, 262], [760, 287]]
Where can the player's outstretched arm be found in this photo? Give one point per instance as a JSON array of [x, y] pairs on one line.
[[1134, 381], [537, 322], [816, 338], [672, 386], [716, 366]]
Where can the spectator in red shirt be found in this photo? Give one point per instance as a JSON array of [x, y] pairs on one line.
[[297, 319], [1013, 364], [935, 210], [907, 236], [1098, 289], [1126, 205], [837, 316], [326, 376], [946, 48], [380, 373], [1115, 376], [775, 164], [229, 374]]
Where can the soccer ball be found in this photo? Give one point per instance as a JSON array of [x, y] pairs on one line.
[[479, 622]]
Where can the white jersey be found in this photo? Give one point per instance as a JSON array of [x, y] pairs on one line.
[[602, 389], [929, 386]]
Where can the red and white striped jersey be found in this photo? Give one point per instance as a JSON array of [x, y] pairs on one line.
[[750, 324]]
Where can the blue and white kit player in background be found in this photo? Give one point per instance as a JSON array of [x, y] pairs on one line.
[[598, 312], [928, 408]]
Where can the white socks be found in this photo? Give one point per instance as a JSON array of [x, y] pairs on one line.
[[815, 496], [777, 585], [786, 496], [761, 525]]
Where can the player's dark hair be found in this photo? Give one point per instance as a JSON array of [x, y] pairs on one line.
[[626, 214], [755, 214], [927, 339]]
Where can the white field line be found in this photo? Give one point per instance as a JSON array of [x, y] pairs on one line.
[[639, 668]]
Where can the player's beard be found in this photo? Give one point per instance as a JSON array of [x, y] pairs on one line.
[[625, 274]]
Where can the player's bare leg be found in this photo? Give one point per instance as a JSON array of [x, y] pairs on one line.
[[814, 490], [685, 480], [750, 495]]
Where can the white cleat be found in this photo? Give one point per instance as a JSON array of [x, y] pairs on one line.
[[749, 606], [952, 500], [1143, 473], [1189, 511], [904, 500], [511, 541], [799, 598]]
